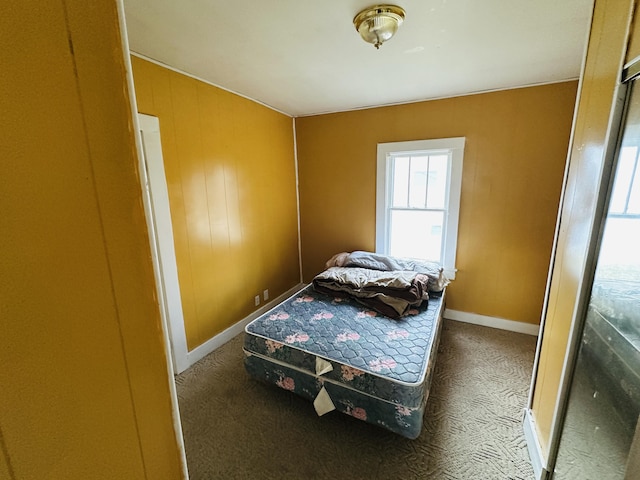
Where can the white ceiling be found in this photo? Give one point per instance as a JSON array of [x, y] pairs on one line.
[[304, 57]]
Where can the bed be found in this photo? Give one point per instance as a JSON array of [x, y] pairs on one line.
[[338, 352]]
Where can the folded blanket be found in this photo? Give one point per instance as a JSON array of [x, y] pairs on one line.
[[391, 293], [387, 263]]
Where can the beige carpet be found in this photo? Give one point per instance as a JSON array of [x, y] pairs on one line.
[[238, 428]]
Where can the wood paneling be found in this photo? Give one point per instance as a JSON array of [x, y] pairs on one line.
[[605, 55], [230, 173], [515, 152], [85, 386]]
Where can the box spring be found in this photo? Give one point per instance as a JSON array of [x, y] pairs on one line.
[[374, 368]]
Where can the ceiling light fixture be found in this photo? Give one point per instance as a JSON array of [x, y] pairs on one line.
[[379, 23]]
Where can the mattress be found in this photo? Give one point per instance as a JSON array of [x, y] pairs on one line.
[[361, 363]]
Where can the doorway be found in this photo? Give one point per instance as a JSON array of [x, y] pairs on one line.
[[162, 244]]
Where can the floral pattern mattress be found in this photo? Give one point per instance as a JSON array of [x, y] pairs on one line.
[[372, 367]]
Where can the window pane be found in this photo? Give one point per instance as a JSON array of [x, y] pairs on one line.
[[400, 181], [623, 179], [418, 186], [437, 181], [416, 234], [634, 197]]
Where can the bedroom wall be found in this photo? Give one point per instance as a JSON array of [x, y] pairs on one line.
[[515, 152], [230, 173], [606, 53], [84, 386]]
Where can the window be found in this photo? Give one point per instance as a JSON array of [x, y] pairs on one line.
[[418, 198], [625, 198]]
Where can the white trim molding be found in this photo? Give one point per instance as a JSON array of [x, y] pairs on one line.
[[493, 322], [454, 149], [162, 244], [223, 337], [297, 171], [148, 210], [538, 461]]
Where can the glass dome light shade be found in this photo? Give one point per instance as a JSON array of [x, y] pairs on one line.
[[378, 24]]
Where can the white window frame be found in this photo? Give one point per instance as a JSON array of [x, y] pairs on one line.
[[454, 146]]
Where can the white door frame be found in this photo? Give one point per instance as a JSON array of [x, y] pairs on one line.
[[171, 340], [162, 242]]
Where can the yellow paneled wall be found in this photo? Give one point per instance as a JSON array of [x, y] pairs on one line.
[[230, 172], [607, 49], [84, 386], [515, 152]]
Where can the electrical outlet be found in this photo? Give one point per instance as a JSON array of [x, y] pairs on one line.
[[257, 300], [265, 295]]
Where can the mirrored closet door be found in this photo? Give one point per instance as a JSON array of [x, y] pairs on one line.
[[600, 427]]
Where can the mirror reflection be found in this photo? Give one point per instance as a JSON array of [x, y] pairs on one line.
[[604, 398]]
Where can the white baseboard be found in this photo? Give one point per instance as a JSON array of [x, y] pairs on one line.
[[223, 337], [538, 462], [493, 322]]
